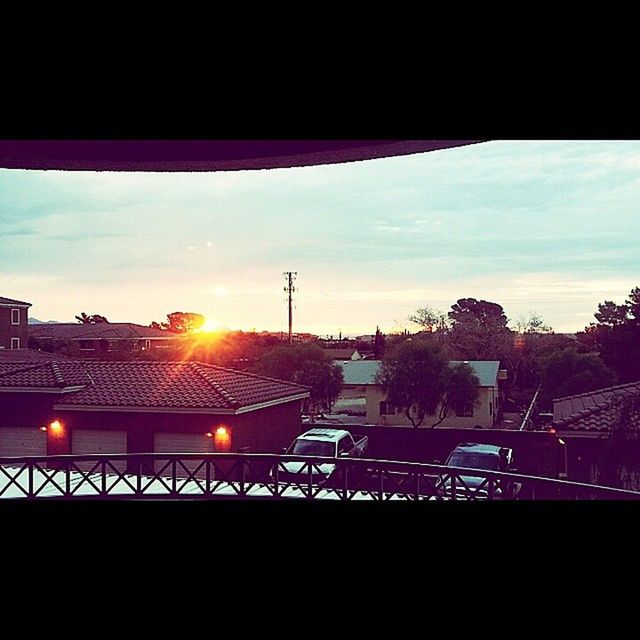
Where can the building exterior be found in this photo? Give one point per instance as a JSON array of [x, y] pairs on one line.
[[51, 405], [101, 339], [585, 423], [14, 318], [360, 383], [343, 354]]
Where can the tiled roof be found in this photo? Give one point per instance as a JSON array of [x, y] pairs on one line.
[[593, 411], [100, 330], [10, 301], [180, 385], [30, 355], [141, 384], [45, 375]]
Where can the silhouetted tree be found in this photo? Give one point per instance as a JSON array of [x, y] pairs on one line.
[[479, 331], [180, 322], [418, 380], [96, 318], [568, 373], [304, 364], [378, 344], [430, 319], [616, 336]]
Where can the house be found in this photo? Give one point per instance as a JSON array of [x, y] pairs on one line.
[[55, 405], [344, 354], [360, 383], [96, 340], [14, 318], [585, 422]]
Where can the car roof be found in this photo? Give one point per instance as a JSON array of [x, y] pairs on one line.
[[330, 435], [491, 449]]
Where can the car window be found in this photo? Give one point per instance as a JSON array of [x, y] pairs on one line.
[[312, 448], [344, 445], [473, 461]]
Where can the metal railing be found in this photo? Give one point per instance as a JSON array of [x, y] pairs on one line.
[[197, 476]]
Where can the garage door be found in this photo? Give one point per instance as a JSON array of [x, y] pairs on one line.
[[183, 443], [16, 441], [87, 441]]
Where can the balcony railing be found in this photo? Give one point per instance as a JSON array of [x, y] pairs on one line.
[[196, 476]]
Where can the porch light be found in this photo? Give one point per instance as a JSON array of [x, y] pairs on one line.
[[209, 434], [43, 428], [222, 439]]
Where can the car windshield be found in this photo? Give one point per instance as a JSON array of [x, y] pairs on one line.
[[313, 448], [474, 461]]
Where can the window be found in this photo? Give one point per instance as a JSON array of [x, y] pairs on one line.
[[15, 316], [15, 343], [467, 412], [344, 446], [86, 345], [387, 409]]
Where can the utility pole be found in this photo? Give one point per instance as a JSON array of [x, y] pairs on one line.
[[290, 276]]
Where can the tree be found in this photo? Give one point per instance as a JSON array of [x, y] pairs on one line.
[[533, 323], [83, 318], [479, 331], [378, 344], [430, 319], [180, 322], [304, 364], [569, 372], [417, 378], [616, 336]]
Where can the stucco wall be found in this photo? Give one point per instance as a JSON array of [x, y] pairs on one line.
[[482, 415]]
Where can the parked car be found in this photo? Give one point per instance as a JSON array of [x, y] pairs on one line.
[[326, 443], [485, 457]]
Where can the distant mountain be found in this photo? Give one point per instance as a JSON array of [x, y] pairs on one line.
[[36, 321]]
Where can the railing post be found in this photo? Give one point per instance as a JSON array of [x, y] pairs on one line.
[[67, 466], [31, 492]]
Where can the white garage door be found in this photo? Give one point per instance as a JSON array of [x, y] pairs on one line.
[[183, 443], [87, 441], [16, 441]]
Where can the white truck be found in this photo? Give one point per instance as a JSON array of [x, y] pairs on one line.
[[326, 443]]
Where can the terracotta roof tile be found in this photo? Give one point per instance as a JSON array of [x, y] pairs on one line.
[[97, 331], [594, 411], [45, 375], [143, 384], [181, 385]]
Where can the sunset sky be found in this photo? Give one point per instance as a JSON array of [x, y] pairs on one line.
[[550, 227]]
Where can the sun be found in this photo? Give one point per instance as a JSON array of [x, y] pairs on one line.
[[209, 326]]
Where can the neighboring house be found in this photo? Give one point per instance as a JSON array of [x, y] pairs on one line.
[[139, 406], [584, 421], [14, 318], [343, 354], [359, 382], [94, 340], [358, 377]]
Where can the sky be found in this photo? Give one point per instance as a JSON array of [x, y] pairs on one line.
[[537, 226]]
